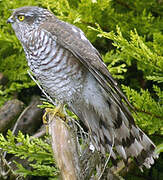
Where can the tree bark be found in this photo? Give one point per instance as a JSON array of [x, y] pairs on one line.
[[64, 148], [9, 113]]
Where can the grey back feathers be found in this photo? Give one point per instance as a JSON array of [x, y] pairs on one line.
[[71, 70]]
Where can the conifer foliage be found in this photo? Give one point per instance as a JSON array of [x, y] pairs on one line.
[[128, 35]]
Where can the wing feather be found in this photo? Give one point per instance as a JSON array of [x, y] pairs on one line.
[[74, 40]]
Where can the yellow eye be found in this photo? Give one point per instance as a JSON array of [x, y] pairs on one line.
[[21, 18]]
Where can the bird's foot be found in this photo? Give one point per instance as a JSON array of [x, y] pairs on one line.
[[58, 110], [50, 113]]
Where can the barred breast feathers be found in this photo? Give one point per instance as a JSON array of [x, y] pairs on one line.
[[54, 66]]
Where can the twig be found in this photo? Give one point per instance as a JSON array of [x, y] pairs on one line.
[[149, 113], [5, 169], [107, 160], [16, 125], [123, 4], [82, 130], [21, 115], [39, 134]]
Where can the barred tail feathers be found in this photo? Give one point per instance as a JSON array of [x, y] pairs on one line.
[[129, 140], [110, 122]]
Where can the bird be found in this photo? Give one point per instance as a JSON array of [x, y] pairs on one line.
[[71, 70]]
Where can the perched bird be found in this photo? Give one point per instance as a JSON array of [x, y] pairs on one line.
[[72, 71]]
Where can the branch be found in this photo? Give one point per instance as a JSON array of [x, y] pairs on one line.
[[149, 113], [6, 171], [64, 148], [123, 4]]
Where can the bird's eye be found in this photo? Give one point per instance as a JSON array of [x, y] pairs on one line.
[[21, 18]]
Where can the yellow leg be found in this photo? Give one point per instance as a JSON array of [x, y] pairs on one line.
[[58, 110]]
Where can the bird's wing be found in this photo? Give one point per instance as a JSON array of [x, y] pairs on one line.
[[74, 40]]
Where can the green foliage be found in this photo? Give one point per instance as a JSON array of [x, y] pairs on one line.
[[115, 64], [38, 170], [128, 34], [12, 58], [36, 151], [46, 105], [159, 149], [149, 112], [148, 60]]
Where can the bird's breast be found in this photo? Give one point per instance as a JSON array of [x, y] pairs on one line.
[[59, 72]]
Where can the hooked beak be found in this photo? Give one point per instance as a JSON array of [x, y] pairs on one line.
[[10, 20]]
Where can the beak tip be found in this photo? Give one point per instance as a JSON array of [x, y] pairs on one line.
[[10, 20]]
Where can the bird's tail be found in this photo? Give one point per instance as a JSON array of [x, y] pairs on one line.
[[114, 126]]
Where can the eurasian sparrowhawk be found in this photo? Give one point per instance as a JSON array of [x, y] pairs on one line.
[[71, 70]]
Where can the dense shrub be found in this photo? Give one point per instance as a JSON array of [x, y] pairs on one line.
[[129, 36]]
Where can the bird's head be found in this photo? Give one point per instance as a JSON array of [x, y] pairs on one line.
[[28, 17]]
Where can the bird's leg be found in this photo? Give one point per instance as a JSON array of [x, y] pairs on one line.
[[58, 110]]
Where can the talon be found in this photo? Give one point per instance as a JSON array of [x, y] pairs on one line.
[[44, 118], [58, 110]]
